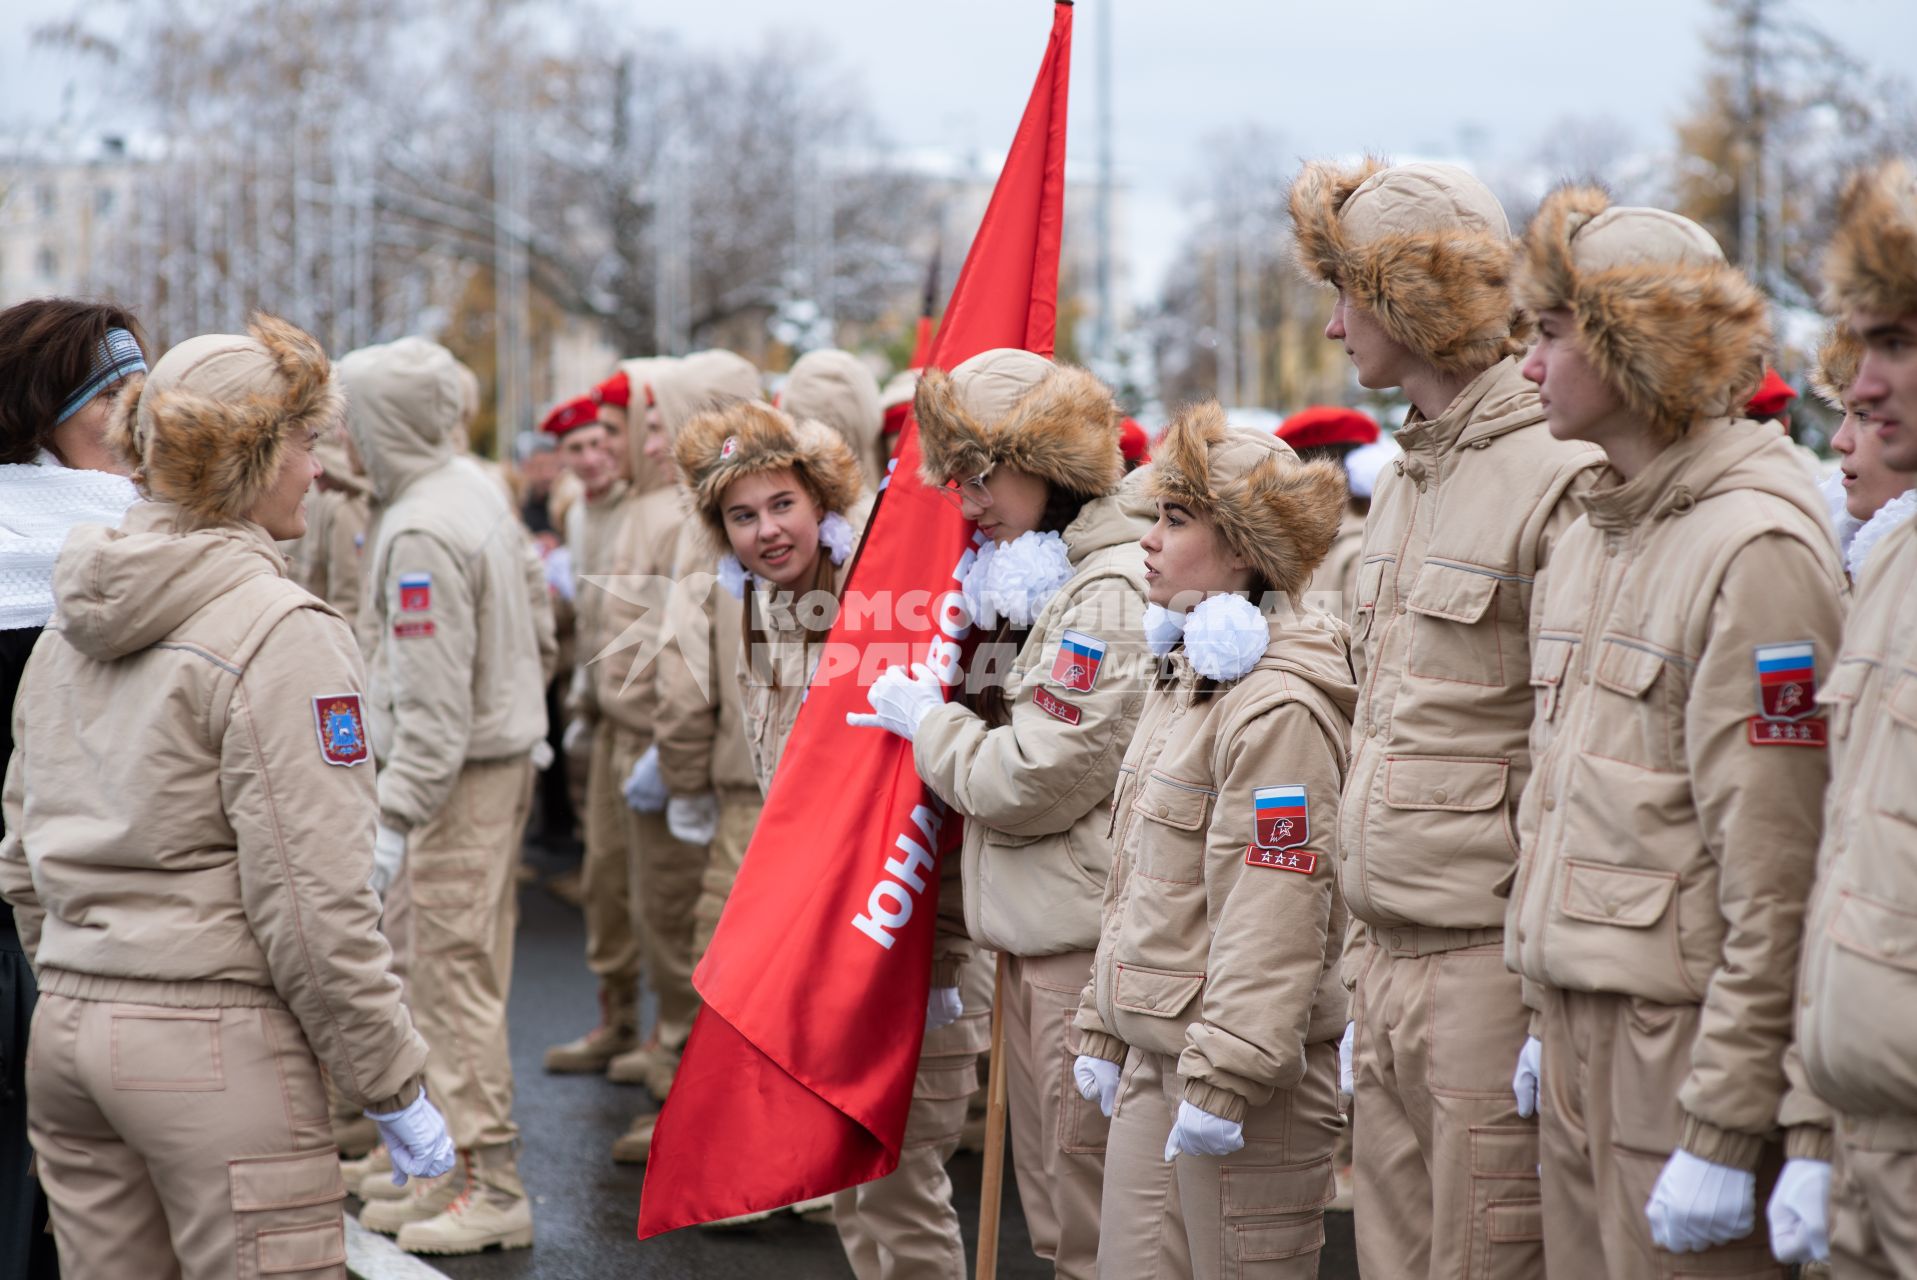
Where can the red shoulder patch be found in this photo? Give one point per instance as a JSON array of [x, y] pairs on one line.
[[342, 729], [1281, 860], [1054, 706]]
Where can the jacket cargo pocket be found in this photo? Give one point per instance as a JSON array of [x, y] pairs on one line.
[[1271, 1212], [1156, 993], [1455, 635], [1462, 798], [1508, 1241], [1186, 808], [1550, 660], [450, 911], [1615, 930], [1082, 1127], [287, 1215], [166, 1050], [1864, 1053], [1639, 719], [1894, 794]]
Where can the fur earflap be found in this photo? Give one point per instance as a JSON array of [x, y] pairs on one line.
[[1871, 264], [1677, 340], [1839, 356], [1064, 430], [216, 455], [1275, 511], [748, 437], [1444, 292]]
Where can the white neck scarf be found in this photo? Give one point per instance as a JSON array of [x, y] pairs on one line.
[[1888, 519], [40, 503], [1224, 636], [1014, 582]]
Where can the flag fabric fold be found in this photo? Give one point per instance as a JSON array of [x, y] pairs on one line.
[[798, 1075]]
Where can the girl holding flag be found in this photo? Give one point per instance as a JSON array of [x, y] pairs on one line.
[[1028, 755], [786, 500], [1210, 1027]]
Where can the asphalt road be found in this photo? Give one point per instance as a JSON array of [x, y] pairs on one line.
[[586, 1207]]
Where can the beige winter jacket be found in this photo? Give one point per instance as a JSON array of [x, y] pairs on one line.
[[1032, 783], [836, 388], [700, 713], [176, 833], [1458, 532], [593, 530], [633, 599], [1334, 583], [1859, 980], [460, 619], [1214, 949], [1670, 831]]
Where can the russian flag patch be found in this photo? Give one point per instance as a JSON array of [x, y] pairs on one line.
[[1284, 822], [1079, 656], [415, 592]]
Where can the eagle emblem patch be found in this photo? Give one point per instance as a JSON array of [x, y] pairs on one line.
[[342, 729]]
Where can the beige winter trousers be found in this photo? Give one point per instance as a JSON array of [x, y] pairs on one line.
[[1873, 1199], [1257, 1213], [451, 916], [1444, 1172], [606, 877], [738, 817], [1058, 1138], [666, 881], [1608, 1120], [183, 1143]]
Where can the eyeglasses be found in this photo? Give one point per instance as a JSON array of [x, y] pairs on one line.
[[973, 491]]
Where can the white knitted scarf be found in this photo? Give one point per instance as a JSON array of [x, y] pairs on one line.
[[40, 502]]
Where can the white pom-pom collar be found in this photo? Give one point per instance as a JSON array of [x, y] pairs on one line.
[[837, 536], [1016, 580], [1225, 636], [733, 576], [1163, 629]]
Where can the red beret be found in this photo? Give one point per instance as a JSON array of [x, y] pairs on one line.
[[895, 418], [1771, 396], [570, 415], [615, 391], [1133, 442], [1327, 424]]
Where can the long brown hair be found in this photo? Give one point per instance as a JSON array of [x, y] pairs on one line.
[[47, 349]]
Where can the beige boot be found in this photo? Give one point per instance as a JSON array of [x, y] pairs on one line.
[[633, 1146], [420, 1199], [631, 1066], [817, 1209], [492, 1212], [617, 1033], [372, 1178], [354, 1136]]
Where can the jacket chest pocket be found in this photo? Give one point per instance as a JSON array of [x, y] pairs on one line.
[[1454, 626], [1638, 713], [1170, 844], [1550, 660], [1893, 791]]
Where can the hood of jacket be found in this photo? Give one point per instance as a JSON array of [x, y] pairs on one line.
[[1117, 518], [836, 388], [117, 591], [703, 380], [642, 373], [403, 401], [1315, 647], [1498, 401], [1716, 456]]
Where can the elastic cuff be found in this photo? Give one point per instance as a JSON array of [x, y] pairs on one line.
[[1809, 1142], [1222, 1103], [1096, 1044], [408, 1094], [1727, 1147], [946, 970]]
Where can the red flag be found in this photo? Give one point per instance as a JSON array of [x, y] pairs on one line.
[[798, 1075]]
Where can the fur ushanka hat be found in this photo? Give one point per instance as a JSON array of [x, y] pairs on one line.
[[1425, 248], [1871, 264], [1275, 511], [1839, 356], [1671, 326], [749, 437], [210, 427], [1012, 408]]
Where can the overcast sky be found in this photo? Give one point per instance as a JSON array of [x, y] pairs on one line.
[[1398, 77]]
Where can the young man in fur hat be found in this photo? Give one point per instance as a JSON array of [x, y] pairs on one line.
[[463, 642], [1460, 527], [1670, 828], [1854, 1027]]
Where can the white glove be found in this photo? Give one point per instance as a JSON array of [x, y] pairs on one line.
[[693, 819], [417, 1140], [901, 700], [645, 789], [1345, 1047], [942, 1007], [1697, 1204], [1524, 1082], [541, 756], [1799, 1212], [1200, 1133], [577, 731], [1097, 1081], [389, 851]]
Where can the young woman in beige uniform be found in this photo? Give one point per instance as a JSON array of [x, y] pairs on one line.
[[1215, 1006], [190, 817], [1029, 753]]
